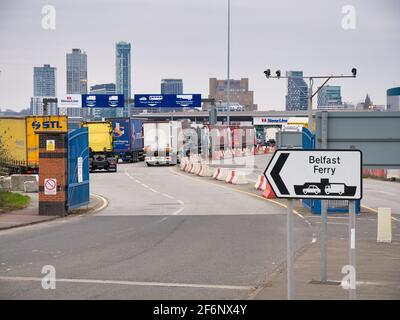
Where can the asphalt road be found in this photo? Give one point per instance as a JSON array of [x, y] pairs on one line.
[[163, 235]]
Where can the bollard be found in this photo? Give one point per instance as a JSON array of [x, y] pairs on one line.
[[384, 233]]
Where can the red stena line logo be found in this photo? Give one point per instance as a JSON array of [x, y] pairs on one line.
[[69, 98]]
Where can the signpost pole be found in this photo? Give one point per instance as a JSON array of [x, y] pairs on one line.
[[324, 242], [289, 250], [352, 247], [324, 209]]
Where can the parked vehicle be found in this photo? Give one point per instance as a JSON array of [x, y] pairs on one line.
[[162, 142], [128, 139], [101, 156], [19, 141]]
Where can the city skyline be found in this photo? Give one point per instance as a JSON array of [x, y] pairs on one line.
[[202, 54]]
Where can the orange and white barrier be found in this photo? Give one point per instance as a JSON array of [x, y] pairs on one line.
[[215, 155], [261, 183], [238, 152], [184, 163], [268, 192], [236, 177]]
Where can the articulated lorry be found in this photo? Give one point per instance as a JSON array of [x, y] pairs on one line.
[[101, 155], [163, 142], [128, 139], [19, 141]]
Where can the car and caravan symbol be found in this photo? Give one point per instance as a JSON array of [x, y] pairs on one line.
[[113, 101], [91, 101], [325, 188]]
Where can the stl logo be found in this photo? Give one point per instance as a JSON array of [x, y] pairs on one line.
[[49, 17], [36, 125]]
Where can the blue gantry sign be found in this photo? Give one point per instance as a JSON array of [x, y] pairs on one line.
[[167, 100], [102, 100]]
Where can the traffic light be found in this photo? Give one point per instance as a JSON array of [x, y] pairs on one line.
[[267, 73], [354, 71]]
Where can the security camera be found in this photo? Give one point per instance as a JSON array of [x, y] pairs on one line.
[[354, 71], [267, 73]]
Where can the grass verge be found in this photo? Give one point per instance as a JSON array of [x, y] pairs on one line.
[[13, 201]]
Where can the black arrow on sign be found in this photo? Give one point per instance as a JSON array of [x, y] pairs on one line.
[[276, 170]]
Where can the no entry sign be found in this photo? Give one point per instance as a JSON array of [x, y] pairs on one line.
[[50, 187]]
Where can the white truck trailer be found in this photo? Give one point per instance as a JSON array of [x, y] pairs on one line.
[[162, 142]]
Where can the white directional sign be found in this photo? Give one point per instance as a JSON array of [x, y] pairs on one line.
[[317, 174]]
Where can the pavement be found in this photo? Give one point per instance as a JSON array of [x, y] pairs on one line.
[[30, 214], [166, 234]]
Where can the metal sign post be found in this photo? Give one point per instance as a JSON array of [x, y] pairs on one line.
[[289, 250], [325, 175], [352, 247]]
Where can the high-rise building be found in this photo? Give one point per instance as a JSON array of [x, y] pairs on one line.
[[77, 79], [105, 88], [330, 96], [123, 74], [239, 93], [44, 86], [297, 91], [44, 81], [393, 99], [171, 86], [36, 107]]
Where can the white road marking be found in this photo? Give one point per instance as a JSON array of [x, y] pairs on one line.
[[135, 283], [151, 189], [145, 185], [163, 219], [167, 196], [314, 240]]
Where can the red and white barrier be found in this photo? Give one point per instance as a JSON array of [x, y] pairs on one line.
[[261, 183], [189, 167], [236, 177], [268, 192], [205, 171], [195, 168], [220, 174]]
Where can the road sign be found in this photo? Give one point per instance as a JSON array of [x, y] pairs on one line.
[[316, 174], [50, 187], [102, 100], [167, 100]]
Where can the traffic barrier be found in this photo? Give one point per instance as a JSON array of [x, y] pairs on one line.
[[205, 171], [215, 155], [268, 192], [236, 177], [248, 152], [189, 167], [266, 150], [222, 173], [228, 154], [238, 152], [195, 168], [183, 164], [216, 173], [198, 169], [261, 183]]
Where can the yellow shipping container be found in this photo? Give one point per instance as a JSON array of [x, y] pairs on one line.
[[13, 141], [19, 142], [39, 124]]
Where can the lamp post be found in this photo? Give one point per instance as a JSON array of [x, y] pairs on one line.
[[311, 94], [228, 98]]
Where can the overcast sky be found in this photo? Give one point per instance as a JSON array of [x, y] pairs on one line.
[[188, 39]]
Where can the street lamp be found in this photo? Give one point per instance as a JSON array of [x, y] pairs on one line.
[[311, 94]]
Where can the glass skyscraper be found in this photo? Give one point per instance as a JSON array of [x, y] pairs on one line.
[[329, 96], [171, 86], [297, 93], [123, 74], [77, 79], [44, 81]]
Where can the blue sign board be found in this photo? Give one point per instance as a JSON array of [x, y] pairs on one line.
[[167, 100], [102, 100]]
